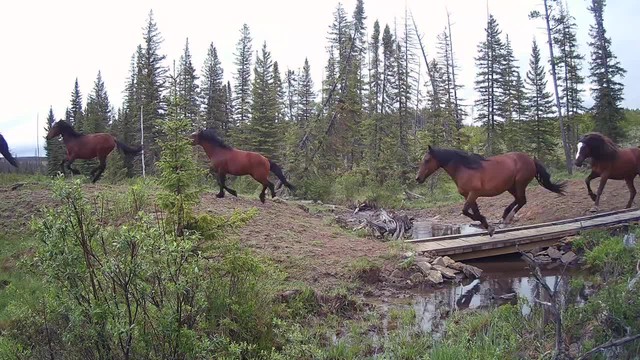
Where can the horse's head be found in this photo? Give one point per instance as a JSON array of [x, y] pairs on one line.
[[428, 166], [195, 138], [597, 147], [56, 129]]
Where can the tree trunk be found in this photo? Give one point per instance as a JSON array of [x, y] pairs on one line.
[[563, 130]]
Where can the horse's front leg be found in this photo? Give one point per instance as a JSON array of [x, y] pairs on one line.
[[587, 181], [603, 181]]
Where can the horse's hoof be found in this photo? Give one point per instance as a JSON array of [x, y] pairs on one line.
[[262, 200], [594, 209], [491, 230], [220, 195]]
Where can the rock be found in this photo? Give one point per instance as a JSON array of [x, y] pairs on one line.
[[424, 266], [420, 258], [629, 241], [457, 266], [397, 274], [408, 254], [447, 261], [439, 261], [539, 253], [472, 271], [446, 272], [554, 253], [434, 277], [568, 258], [416, 278]]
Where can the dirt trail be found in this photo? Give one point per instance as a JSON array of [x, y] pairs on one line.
[[542, 205]]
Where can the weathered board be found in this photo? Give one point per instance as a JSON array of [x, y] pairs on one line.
[[469, 246]]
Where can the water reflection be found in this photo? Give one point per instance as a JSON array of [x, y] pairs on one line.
[[430, 229], [504, 280]]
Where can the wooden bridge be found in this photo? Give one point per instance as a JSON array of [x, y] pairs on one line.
[[509, 240]]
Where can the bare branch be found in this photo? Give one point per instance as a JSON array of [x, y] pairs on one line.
[[610, 343]]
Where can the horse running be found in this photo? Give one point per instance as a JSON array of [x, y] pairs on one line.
[[4, 150], [477, 177], [608, 162], [87, 147], [225, 160]]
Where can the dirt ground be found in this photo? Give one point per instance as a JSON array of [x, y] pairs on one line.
[[542, 205]]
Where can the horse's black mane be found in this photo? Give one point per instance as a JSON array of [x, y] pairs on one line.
[[462, 158], [67, 130], [601, 147], [211, 136]]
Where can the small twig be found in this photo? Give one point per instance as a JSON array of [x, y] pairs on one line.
[[610, 343]]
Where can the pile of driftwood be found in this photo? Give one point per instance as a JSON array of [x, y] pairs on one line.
[[378, 222]]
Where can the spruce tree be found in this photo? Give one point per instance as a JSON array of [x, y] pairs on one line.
[[54, 149], [569, 67], [151, 84], [188, 90], [242, 98], [214, 93], [305, 96], [263, 135], [98, 112], [510, 87], [487, 84], [374, 70], [291, 90], [75, 114], [540, 129], [279, 95], [605, 72]]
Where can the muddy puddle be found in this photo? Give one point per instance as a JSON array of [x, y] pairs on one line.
[[504, 280]]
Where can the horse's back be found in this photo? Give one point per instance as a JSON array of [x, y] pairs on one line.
[[501, 173]]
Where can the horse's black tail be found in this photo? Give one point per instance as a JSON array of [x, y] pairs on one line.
[[278, 172], [4, 150], [128, 150], [544, 179]]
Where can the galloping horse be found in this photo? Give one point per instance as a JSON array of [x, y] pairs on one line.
[[608, 162], [87, 147], [477, 177], [227, 160], [4, 150]]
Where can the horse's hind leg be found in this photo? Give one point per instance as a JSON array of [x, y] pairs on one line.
[[506, 218], [632, 191], [99, 170]]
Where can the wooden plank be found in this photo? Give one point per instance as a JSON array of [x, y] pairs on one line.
[[524, 227], [507, 242]]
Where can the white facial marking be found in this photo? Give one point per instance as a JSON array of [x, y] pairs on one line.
[[580, 145]]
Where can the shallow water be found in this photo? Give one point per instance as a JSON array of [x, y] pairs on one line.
[[430, 229], [504, 280]]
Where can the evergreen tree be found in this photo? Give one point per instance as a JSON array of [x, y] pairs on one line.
[[188, 89], [214, 93], [229, 108], [75, 115], [305, 96], [263, 135], [151, 83], [279, 94], [605, 73], [569, 68], [98, 113], [374, 70], [540, 129], [487, 84], [509, 89], [242, 99], [54, 149], [291, 89]]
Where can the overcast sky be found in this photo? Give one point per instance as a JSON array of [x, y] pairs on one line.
[[47, 44]]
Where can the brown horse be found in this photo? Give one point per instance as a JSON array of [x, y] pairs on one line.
[[4, 150], [225, 160], [608, 161], [477, 177], [87, 147]]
